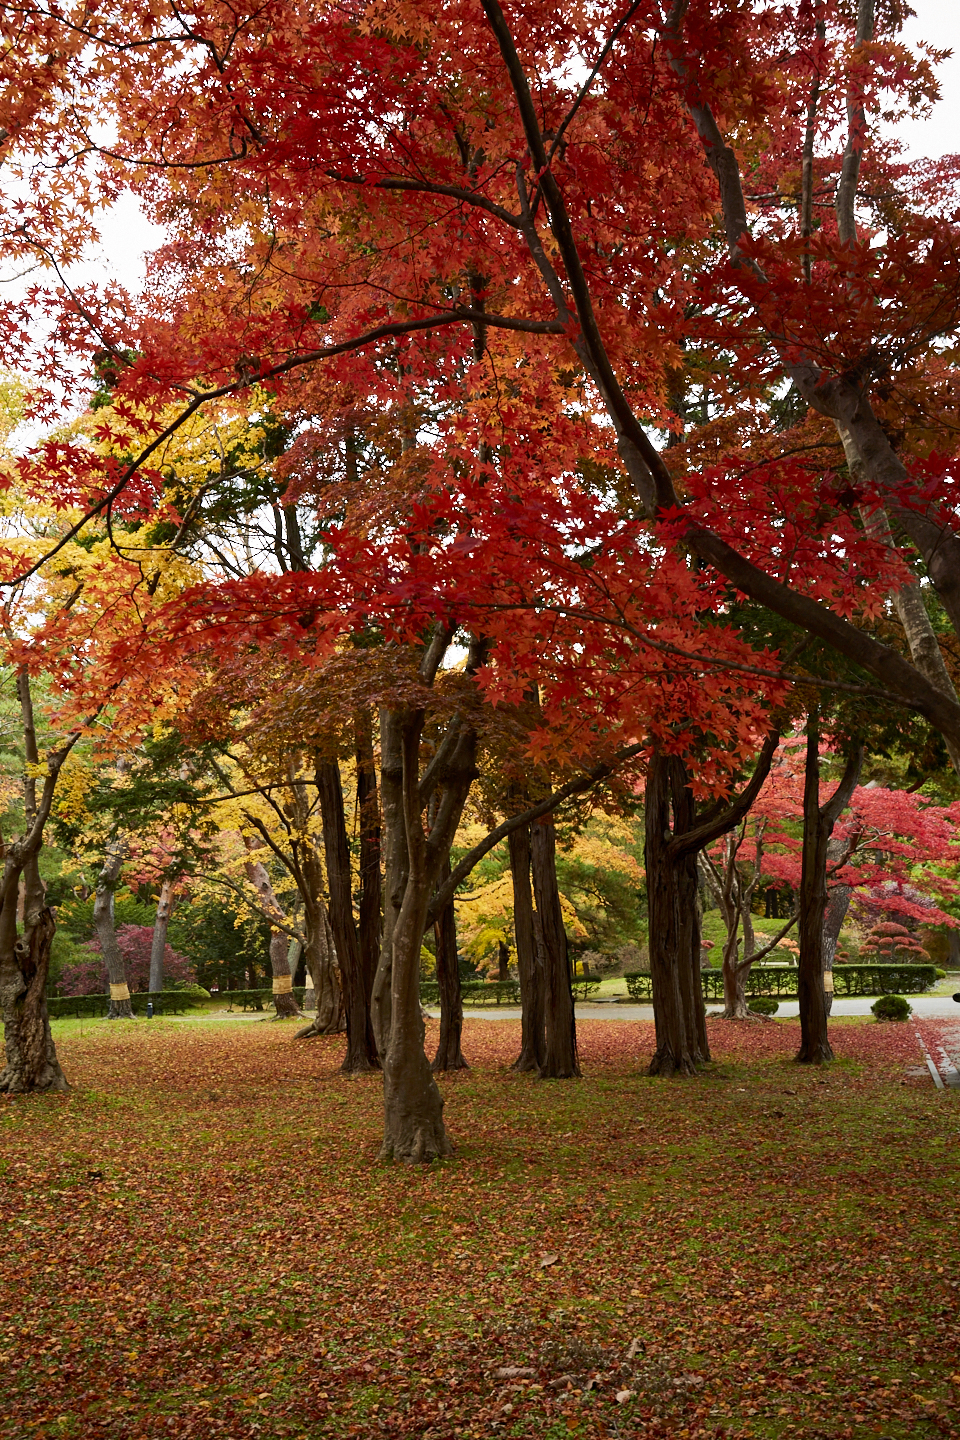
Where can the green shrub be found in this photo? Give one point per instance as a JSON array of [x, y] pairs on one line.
[[891, 1007], [764, 1005], [941, 974]]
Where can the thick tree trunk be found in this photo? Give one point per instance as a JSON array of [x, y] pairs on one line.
[[103, 923], [321, 958], [734, 985], [158, 944], [529, 956], [818, 823], [674, 925], [284, 1000], [449, 1055], [31, 1057], [413, 1128], [560, 1061], [361, 1043], [395, 869]]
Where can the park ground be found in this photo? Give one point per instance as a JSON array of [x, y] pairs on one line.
[[199, 1241]]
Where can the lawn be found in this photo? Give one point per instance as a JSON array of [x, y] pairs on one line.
[[200, 1241]]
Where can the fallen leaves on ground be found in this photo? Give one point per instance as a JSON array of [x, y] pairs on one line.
[[200, 1242]]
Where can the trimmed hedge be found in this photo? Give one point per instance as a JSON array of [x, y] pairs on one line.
[[475, 992], [781, 981], [169, 1002], [496, 992]]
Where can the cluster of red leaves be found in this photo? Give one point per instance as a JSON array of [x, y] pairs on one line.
[[204, 1244], [90, 977]]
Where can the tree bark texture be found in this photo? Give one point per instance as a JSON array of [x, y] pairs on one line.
[[103, 922], [355, 980], [818, 823], [285, 1005], [529, 956], [370, 918], [158, 943], [674, 929], [560, 1060], [449, 1055], [395, 869], [30, 1054], [674, 835], [413, 1128]]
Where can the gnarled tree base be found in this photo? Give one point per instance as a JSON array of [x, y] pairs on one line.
[[413, 1129], [815, 1054], [527, 1061], [32, 1066], [665, 1062], [120, 1010]]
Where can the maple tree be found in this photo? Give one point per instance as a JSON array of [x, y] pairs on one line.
[[498, 473]]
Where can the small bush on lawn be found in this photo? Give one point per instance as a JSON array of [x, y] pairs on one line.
[[891, 1007], [763, 1005]]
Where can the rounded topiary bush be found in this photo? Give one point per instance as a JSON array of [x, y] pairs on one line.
[[891, 1007], [763, 1005]]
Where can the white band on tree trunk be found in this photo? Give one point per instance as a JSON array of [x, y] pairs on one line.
[[119, 992], [282, 984], [828, 981]]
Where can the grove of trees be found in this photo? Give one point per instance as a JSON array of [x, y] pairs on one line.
[[535, 421]]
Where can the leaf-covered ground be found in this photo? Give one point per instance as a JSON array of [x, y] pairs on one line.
[[199, 1241]]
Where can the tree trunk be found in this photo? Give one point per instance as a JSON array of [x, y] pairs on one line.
[[413, 1128], [529, 956], [395, 870], [449, 1055], [838, 903], [560, 1061], [285, 1002], [674, 927], [818, 823], [361, 1043], [321, 958], [31, 1056], [734, 984], [158, 944], [285, 1005], [370, 919], [503, 962], [103, 922], [954, 958]]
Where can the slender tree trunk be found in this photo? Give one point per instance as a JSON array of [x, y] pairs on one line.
[[954, 957], [361, 1043], [673, 925], [285, 1005], [838, 903], [395, 869], [103, 921], [503, 962], [818, 823], [734, 983], [158, 944], [529, 956], [560, 1061], [449, 1055], [370, 919], [814, 1042]]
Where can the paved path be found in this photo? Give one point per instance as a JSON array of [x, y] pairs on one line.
[[924, 1007]]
